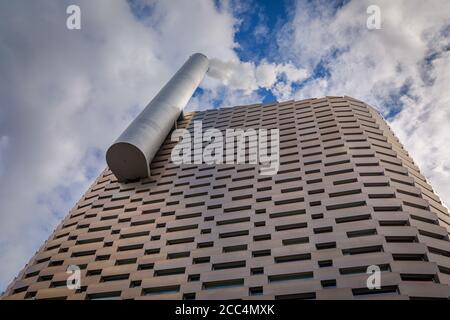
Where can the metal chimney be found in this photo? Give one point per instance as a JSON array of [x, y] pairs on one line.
[[130, 156]]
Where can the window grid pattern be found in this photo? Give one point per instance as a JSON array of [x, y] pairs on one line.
[[347, 195]]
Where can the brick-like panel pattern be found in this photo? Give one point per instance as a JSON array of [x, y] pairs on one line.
[[346, 196]]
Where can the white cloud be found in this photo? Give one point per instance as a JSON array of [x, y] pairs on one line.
[[226, 97], [266, 75], [234, 74], [66, 95], [423, 127], [376, 65], [248, 76], [292, 73]]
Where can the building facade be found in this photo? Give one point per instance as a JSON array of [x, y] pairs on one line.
[[346, 197]]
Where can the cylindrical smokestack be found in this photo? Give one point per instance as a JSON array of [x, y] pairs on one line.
[[130, 156]]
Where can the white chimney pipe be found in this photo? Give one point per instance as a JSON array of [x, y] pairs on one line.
[[130, 156]]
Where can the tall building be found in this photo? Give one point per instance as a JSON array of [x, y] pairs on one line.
[[347, 196]]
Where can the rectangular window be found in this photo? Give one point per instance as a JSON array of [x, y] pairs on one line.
[[169, 272], [228, 265], [290, 276], [223, 284], [161, 290]]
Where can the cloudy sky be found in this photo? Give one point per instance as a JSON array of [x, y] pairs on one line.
[[65, 95]]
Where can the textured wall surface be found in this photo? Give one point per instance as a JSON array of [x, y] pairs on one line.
[[346, 196]]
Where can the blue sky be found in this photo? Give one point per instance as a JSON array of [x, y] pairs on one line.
[[269, 16], [66, 95]]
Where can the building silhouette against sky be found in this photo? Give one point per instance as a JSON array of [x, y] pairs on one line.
[[346, 215], [347, 196]]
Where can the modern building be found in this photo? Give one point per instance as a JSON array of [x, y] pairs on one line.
[[347, 196]]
